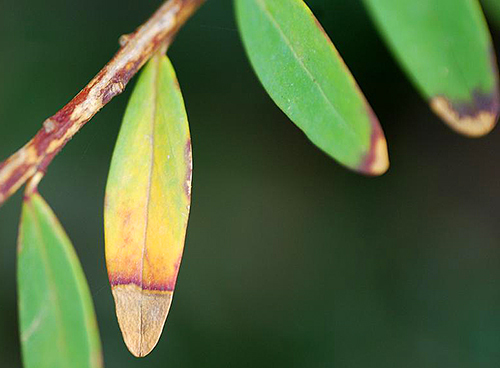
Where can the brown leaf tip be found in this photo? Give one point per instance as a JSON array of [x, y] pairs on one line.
[[376, 162], [474, 119], [141, 315]]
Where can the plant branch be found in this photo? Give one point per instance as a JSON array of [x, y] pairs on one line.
[[136, 48]]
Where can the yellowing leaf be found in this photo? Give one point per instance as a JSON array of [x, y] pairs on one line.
[[148, 196]]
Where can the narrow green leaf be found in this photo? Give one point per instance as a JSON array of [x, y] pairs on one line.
[[57, 322], [303, 73], [446, 48], [148, 196]]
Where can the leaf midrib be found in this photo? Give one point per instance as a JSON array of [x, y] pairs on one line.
[[287, 41], [156, 60]]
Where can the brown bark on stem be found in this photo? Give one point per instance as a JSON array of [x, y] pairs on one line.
[[57, 130]]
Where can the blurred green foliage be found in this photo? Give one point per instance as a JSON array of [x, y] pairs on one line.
[[492, 7], [290, 259]]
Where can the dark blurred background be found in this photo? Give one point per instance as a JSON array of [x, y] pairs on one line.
[[290, 260]]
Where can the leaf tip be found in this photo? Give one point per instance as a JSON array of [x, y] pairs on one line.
[[376, 161], [141, 315], [473, 119]]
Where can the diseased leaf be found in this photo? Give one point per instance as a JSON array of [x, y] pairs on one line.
[[147, 205], [446, 49], [303, 73], [58, 327]]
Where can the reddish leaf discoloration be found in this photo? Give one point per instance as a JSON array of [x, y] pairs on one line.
[[376, 161], [152, 286], [479, 102], [475, 117], [189, 173]]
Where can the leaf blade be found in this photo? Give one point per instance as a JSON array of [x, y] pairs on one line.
[[446, 49], [303, 73], [147, 205], [58, 327]]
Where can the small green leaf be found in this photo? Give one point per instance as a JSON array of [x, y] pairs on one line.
[[303, 73], [446, 48], [57, 322]]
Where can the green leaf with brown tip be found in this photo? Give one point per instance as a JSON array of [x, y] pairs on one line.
[[304, 74], [148, 196], [446, 49], [57, 321]]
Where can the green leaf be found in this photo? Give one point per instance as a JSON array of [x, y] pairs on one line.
[[303, 73], [57, 322], [446, 48], [148, 196]]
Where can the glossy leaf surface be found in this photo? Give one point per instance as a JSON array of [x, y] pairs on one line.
[[304, 74], [57, 321], [147, 205], [446, 48]]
